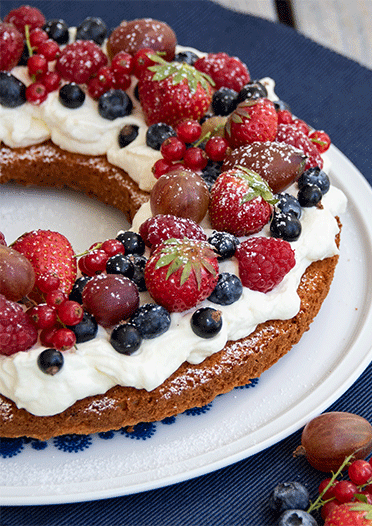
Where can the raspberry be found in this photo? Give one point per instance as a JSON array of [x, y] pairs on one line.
[[17, 332], [290, 134], [25, 15], [80, 60], [157, 229], [226, 71], [263, 262], [11, 44]]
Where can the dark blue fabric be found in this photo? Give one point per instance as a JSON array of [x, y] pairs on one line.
[[329, 92]]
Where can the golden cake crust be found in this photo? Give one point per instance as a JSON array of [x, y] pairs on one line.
[[191, 385]]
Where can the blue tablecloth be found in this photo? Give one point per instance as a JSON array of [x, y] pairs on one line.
[[329, 92]]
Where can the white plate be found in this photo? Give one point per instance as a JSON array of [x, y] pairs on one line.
[[326, 362]]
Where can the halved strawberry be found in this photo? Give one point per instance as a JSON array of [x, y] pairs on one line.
[[240, 202], [49, 253], [181, 273], [350, 514], [171, 92]]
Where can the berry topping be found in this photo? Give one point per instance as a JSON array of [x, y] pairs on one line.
[[226, 71], [71, 96], [253, 90], [252, 120], [158, 228], [92, 28], [77, 289], [25, 16], [49, 252], [188, 131], [50, 361], [228, 290], [63, 339], [132, 243], [289, 495], [36, 93], [139, 263], [263, 262], [224, 101], [315, 176], [128, 134], [299, 517], [120, 264], [17, 331], [224, 243], [57, 30], [70, 312], [86, 329], [182, 193], [186, 56], [288, 204], [11, 45], [350, 513], [143, 33], [285, 226], [80, 60], [321, 140], [173, 92], [17, 277], [309, 195], [240, 202], [279, 164], [290, 134], [12, 91], [111, 298], [206, 322], [181, 273], [125, 338], [157, 133], [151, 320], [114, 103]]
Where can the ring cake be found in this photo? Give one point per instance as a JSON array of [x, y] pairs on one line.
[[234, 238]]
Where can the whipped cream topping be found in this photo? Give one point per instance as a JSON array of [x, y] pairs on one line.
[[94, 367]]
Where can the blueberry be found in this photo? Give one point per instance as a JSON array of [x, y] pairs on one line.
[[50, 361], [285, 226], [114, 103], [253, 90], [12, 90], [76, 293], [224, 101], [224, 243], [189, 57], [92, 28], [296, 518], [287, 203], [309, 195], [228, 290], [289, 496], [157, 133], [206, 322], [57, 30], [120, 264], [280, 105], [315, 176], [86, 330], [139, 263], [127, 134], [126, 338], [151, 320], [132, 242], [211, 172], [71, 96]]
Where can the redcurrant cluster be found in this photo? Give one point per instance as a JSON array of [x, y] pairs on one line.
[[334, 491], [55, 315], [320, 138], [184, 150], [94, 260], [43, 51]]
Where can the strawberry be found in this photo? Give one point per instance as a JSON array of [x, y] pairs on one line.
[[25, 15], [291, 134], [80, 60], [252, 120], [181, 273], [321, 140], [226, 71], [240, 202], [173, 92], [160, 227], [49, 253], [11, 45], [350, 514]]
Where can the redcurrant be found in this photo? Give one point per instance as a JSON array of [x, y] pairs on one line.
[[195, 159], [36, 93], [142, 60], [112, 247], [51, 81], [43, 316], [122, 64], [70, 312], [188, 131], [344, 491], [172, 149], [56, 298], [49, 49], [321, 140], [360, 472], [216, 148], [64, 339], [37, 66]]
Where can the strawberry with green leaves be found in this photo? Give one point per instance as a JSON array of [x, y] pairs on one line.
[[252, 120], [50, 253], [350, 514], [241, 202], [171, 92], [181, 273]]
